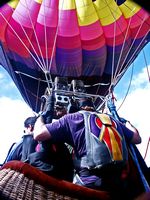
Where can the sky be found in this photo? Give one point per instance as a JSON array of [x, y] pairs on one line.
[[135, 108]]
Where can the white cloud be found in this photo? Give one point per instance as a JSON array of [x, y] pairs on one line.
[[142, 79], [136, 109], [12, 115], [1, 76], [6, 83]]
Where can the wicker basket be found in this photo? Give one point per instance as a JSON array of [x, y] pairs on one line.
[[14, 185], [20, 181]]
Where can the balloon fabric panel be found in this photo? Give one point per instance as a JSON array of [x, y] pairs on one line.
[[83, 39]]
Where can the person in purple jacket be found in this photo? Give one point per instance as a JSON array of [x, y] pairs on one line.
[[92, 165]]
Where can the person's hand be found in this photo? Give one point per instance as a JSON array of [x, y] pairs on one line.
[[124, 121], [44, 115], [50, 101], [48, 114], [111, 105]]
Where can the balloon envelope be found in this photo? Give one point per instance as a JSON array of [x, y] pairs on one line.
[[95, 41]]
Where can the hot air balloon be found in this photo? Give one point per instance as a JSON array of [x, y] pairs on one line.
[[93, 40], [90, 40]]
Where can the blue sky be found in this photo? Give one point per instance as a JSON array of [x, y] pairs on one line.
[[137, 66], [135, 108]]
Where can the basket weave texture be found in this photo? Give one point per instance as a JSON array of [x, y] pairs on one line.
[[15, 186], [21, 181]]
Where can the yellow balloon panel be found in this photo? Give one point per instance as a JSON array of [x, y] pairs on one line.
[[13, 3], [129, 8], [66, 4], [108, 11], [86, 12]]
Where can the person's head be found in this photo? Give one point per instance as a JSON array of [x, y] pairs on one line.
[[29, 123], [86, 103], [60, 111]]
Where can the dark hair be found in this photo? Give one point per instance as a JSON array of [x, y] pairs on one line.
[[82, 102], [29, 121]]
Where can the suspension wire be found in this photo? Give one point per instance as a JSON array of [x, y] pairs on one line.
[[138, 47], [131, 47], [126, 34], [112, 82], [114, 72], [122, 48], [38, 89], [118, 76], [127, 42], [55, 39], [20, 40], [54, 44], [114, 42], [149, 81], [49, 65], [29, 40], [45, 33], [48, 77], [86, 3], [113, 47], [128, 89], [11, 72], [146, 65], [147, 148], [121, 52], [40, 62], [97, 84], [29, 102], [33, 77], [144, 60], [35, 35], [45, 69], [131, 79]]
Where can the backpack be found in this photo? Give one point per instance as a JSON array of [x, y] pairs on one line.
[[105, 142]]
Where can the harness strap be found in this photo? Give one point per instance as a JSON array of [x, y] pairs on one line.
[[109, 140], [86, 114], [105, 119]]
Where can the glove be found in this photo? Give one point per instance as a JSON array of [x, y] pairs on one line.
[[50, 102], [111, 106], [48, 114], [124, 121], [74, 107], [112, 109]]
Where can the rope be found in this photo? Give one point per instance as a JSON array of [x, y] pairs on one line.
[[147, 148], [45, 32], [131, 45], [44, 65], [38, 63], [122, 48], [146, 65], [127, 92], [28, 100]]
